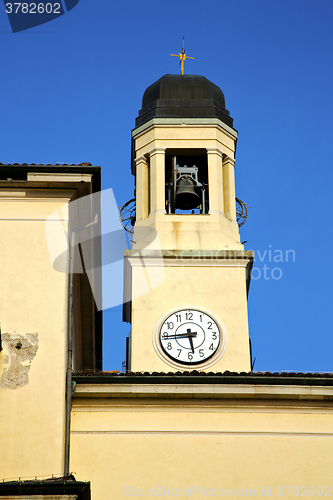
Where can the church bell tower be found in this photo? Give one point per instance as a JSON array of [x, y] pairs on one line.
[[187, 274]]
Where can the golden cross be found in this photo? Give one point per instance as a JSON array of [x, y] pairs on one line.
[[182, 56]]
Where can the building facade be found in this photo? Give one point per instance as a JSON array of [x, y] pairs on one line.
[[188, 418]]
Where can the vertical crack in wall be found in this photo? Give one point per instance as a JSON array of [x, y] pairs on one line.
[[21, 351]]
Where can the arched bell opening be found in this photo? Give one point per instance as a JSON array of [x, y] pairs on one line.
[[186, 181]]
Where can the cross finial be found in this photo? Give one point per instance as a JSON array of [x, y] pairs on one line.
[[182, 56]]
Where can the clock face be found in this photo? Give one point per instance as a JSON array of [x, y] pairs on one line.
[[189, 337]]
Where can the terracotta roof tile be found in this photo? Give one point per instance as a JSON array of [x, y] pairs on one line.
[[197, 377], [204, 374]]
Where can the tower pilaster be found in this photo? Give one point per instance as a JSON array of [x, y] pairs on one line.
[[228, 166], [215, 181], [157, 180], [142, 188]]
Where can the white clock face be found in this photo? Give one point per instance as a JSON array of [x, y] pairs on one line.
[[189, 337]]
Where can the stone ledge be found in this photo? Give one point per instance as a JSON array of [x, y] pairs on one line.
[[192, 254], [204, 391]]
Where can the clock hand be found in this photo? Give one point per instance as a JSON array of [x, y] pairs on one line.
[[189, 336], [181, 335], [191, 343]]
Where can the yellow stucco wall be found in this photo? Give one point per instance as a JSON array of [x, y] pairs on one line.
[[228, 444], [33, 317], [215, 286]]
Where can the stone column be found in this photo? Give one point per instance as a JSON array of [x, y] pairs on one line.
[[215, 180], [157, 181], [229, 187], [142, 188]]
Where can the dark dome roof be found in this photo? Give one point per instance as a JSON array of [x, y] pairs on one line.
[[183, 87], [183, 96]]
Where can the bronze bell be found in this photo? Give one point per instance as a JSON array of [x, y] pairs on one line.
[[186, 197]]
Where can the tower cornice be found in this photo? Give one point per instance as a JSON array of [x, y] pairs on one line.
[[181, 122]]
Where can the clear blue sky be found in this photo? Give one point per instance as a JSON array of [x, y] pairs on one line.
[[71, 89]]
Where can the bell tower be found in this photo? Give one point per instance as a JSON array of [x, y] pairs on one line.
[[186, 249]]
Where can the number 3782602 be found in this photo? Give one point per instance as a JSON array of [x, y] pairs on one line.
[[33, 8]]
